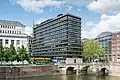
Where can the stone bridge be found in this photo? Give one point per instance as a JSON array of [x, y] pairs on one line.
[[84, 68]]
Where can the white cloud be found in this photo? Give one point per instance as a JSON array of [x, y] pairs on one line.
[[105, 6], [107, 23], [86, 31], [28, 30], [84, 34], [90, 24], [38, 5], [79, 2], [39, 21]]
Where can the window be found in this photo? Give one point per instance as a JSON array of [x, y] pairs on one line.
[[18, 42], [74, 60], [12, 41], [1, 40], [6, 41]]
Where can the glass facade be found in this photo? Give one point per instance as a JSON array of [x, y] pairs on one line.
[[58, 37], [104, 40]]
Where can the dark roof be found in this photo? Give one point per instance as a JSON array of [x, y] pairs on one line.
[[85, 39], [104, 34], [11, 23], [58, 16]]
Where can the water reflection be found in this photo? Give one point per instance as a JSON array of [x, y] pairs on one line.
[[69, 77]]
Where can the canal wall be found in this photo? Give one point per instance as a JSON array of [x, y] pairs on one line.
[[31, 71], [114, 70], [27, 71]]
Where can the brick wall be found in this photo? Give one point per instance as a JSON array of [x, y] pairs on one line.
[[28, 71]]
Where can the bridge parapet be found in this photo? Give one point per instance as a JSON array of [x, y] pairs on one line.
[[82, 65], [113, 68]]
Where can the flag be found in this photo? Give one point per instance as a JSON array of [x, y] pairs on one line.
[[68, 6], [79, 9]]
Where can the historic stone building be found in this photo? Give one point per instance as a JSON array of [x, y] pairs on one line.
[[12, 32]]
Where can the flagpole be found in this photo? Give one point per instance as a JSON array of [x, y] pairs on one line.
[[79, 11], [67, 7], [33, 24]]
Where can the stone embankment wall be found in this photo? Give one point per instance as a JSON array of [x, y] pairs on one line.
[[28, 71], [114, 70]]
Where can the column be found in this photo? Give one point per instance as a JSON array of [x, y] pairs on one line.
[[97, 72], [63, 71], [77, 72], [3, 40], [15, 42]]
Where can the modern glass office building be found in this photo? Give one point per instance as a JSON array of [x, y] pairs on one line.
[[59, 37], [105, 39]]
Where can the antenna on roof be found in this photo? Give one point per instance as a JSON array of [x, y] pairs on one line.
[[33, 23]]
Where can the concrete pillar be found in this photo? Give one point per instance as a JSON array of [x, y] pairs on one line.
[[77, 72], [97, 72], [63, 71]]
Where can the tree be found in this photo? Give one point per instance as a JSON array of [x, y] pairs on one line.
[[7, 54], [22, 53], [18, 57], [91, 49], [1, 53], [13, 52]]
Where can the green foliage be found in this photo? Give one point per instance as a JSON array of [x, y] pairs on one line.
[[23, 54], [7, 54], [11, 54], [91, 48], [18, 55], [1, 52]]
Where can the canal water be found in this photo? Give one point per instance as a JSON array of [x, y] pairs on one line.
[[70, 77]]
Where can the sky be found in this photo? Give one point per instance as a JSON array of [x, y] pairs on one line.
[[97, 15]]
